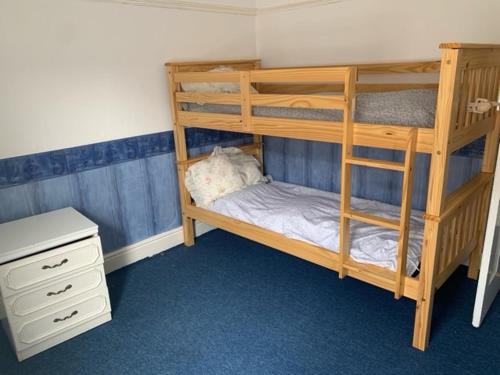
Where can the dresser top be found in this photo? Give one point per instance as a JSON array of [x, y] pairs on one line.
[[24, 237]]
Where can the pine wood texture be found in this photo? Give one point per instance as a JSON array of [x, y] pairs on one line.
[[462, 223], [469, 45], [181, 155], [432, 66], [273, 88], [447, 108], [454, 224], [404, 221], [345, 170], [299, 101]]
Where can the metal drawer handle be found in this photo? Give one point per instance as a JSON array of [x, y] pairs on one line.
[[57, 320], [64, 261], [68, 287]]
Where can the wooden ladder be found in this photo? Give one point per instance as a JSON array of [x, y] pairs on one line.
[[347, 214]]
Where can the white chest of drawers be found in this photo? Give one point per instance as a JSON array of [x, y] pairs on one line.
[[52, 281]]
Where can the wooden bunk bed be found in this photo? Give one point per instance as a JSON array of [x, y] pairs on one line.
[[454, 223]]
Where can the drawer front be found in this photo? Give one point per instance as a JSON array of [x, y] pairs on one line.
[[23, 304], [38, 327], [31, 271]]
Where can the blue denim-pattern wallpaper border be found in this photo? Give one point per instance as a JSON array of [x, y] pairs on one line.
[[130, 201], [129, 186], [36, 167]]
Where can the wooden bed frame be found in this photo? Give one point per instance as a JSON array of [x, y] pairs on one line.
[[454, 223]]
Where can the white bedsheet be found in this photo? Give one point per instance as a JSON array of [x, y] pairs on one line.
[[312, 216]]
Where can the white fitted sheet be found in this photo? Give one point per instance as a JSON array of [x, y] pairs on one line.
[[312, 216]]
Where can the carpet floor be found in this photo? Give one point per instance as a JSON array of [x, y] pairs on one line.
[[230, 306]]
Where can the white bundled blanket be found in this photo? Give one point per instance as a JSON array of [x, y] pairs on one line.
[[312, 216]]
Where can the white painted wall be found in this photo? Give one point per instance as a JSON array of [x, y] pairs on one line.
[[349, 31], [82, 71], [76, 72]]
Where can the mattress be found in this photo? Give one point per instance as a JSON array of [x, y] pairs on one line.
[[312, 216], [414, 108]]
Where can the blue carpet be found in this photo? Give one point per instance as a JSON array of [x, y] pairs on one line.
[[231, 306]]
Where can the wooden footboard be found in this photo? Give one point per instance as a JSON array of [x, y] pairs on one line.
[[462, 225], [479, 77]]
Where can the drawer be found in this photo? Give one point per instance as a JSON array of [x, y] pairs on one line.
[[26, 303], [43, 267], [51, 322]]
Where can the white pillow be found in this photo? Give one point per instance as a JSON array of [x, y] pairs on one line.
[[246, 165], [212, 178], [222, 87]]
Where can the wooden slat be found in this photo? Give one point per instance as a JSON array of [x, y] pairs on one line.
[[257, 138], [401, 67], [299, 101], [207, 97], [455, 45], [465, 192], [214, 62], [404, 221], [216, 121], [380, 277], [328, 74], [271, 88], [427, 66], [480, 58], [475, 256], [374, 163], [314, 130], [455, 263], [392, 136], [207, 77], [467, 135], [246, 105], [371, 135], [372, 219]]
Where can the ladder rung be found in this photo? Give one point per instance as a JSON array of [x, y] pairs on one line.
[[375, 163], [372, 219]]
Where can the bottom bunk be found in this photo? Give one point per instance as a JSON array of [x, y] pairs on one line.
[[371, 273], [312, 216]]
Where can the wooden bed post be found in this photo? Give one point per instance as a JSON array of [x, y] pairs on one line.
[[488, 166], [446, 114], [257, 139], [181, 157]]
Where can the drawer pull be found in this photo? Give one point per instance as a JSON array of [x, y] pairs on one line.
[[64, 261], [57, 320], [68, 287]]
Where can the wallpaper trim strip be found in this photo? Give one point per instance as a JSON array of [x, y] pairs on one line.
[[30, 168]]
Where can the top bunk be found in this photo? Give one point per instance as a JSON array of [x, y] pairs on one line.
[[310, 102]]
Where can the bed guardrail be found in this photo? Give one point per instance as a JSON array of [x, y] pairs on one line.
[[246, 99], [461, 225]]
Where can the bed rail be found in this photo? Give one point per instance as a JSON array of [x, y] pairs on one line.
[[462, 225], [203, 66], [389, 70], [245, 122], [390, 136]]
